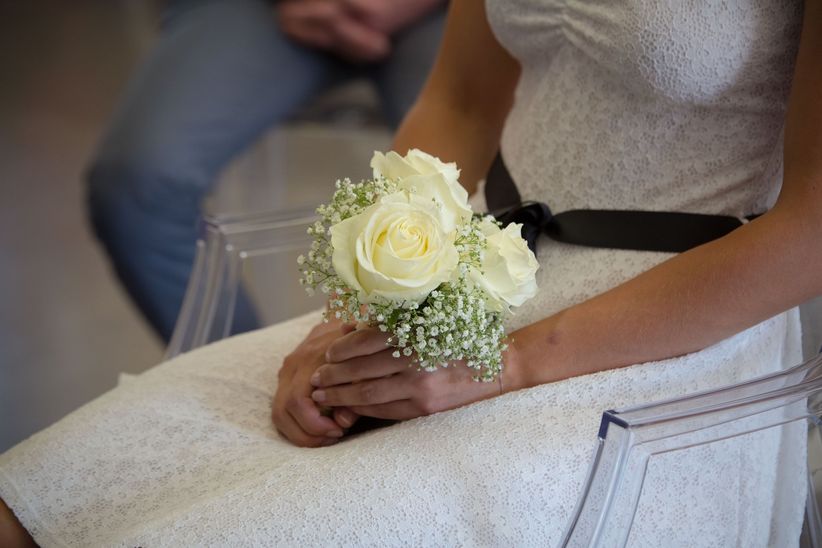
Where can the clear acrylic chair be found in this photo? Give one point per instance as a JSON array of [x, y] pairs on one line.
[[248, 253], [629, 438]]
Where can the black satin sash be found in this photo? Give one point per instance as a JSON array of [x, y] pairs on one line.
[[667, 231]]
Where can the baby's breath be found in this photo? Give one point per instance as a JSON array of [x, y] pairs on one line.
[[451, 324]]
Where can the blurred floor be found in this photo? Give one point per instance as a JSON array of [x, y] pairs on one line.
[[66, 328]]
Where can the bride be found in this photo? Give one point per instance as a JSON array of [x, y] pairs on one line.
[[628, 104]]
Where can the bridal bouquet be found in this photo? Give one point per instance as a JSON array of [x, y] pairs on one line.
[[403, 251]]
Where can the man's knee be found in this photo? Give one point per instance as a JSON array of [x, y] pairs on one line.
[[112, 197], [126, 194]]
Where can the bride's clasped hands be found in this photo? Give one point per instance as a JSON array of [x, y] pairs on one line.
[[294, 413], [353, 373]]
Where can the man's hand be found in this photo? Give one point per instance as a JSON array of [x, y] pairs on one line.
[[330, 25], [389, 16], [357, 30], [295, 415]]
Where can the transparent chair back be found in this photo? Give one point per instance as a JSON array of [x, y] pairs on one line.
[[629, 438], [251, 258]]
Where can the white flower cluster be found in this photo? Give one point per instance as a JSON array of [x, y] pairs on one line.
[[403, 251], [453, 324]]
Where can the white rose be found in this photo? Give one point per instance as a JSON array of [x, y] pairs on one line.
[[508, 267], [429, 177], [416, 162], [396, 249]]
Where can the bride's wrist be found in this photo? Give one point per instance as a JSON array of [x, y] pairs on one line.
[[514, 375], [534, 355]]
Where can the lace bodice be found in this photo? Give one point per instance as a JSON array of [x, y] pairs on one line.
[[647, 104]]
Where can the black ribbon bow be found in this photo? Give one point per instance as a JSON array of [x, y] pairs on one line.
[[665, 231], [535, 218]]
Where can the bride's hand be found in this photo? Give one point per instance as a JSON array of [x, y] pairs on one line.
[[295, 415], [363, 376]]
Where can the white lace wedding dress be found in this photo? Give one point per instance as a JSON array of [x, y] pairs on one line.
[[635, 104]]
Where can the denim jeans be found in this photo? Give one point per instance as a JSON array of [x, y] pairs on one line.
[[220, 75]]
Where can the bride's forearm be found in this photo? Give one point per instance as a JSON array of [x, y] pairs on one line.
[[459, 137], [684, 304]]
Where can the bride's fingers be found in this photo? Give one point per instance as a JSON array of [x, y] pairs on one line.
[[357, 343], [360, 368], [290, 430], [306, 414], [395, 410], [370, 392], [345, 417]]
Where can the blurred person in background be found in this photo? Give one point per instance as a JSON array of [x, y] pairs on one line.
[[221, 74]]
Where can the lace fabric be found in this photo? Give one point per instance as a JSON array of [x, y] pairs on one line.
[[185, 455]]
